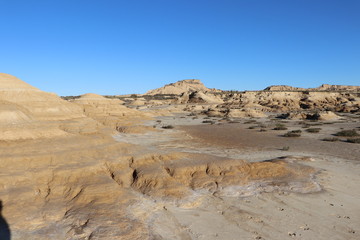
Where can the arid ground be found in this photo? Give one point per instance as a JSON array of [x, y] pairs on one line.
[[180, 162]]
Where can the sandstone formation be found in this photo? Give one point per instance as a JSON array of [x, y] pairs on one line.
[[292, 102], [297, 102], [166, 176], [188, 85], [245, 113], [283, 88], [28, 113], [323, 87], [52, 157], [111, 112], [42, 105], [93, 168], [328, 87]]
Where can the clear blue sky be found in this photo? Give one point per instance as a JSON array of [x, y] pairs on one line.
[[73, 47]]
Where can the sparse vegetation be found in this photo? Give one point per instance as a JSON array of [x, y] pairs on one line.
[[353, 140], [294, 133], [285, 148], [280, 126], [250, 121], [313, 130], [313, 117], [159, 97], [283, 116], [331, 139], [347, 133], [233, 121], [168, 126], [70, 97], [208, 121]]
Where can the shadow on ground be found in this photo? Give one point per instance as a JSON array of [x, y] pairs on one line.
[[5, 233]]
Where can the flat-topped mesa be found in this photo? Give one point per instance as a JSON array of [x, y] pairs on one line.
[[180, 87], [283, 88], [191, 81], [328, 87], [323, 87]]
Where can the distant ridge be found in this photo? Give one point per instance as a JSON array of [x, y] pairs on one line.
[[323, 87], [283, 88], [328, 87], [180, 87]]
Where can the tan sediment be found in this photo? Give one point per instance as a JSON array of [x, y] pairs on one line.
[[63, 176]]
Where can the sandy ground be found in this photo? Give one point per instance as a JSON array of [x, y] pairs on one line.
[[102, 203], [184, 176], [330, 214], [239, 136], [262, 212]]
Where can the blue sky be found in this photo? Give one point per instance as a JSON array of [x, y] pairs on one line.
[[118, 47]]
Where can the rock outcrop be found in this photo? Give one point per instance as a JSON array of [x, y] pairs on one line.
[[110, 112], [180, 87], [285, 101], [65, 177], [29, 113], [323, 87], [273, 99], [54, 160], [41, 105], [283, 88], [335, 88]]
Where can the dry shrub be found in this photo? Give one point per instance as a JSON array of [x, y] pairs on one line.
[[295, 133], [313, 130]]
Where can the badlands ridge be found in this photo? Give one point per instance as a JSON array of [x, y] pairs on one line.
[[141, 167]]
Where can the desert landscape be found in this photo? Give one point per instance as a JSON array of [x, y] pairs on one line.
[[180, 162]]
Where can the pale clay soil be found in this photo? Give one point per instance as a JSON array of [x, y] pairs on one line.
[[90, 168], [259, 212], [320, 204]]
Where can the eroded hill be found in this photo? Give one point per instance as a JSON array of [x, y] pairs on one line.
[[104, 168]]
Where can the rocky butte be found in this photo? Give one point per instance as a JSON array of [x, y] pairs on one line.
[[180, 162]]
